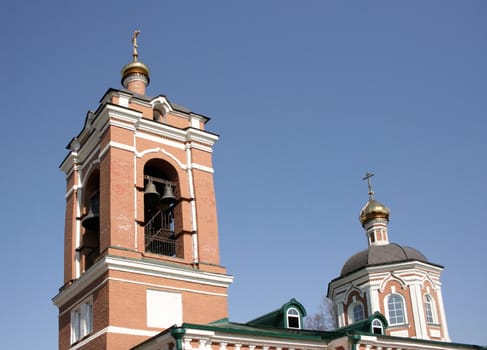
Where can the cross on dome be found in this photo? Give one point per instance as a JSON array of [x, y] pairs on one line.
[[369, 183], [135, 75], [134, 42]]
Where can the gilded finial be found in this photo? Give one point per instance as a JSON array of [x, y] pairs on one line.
[[373, 209], [369, 183], [134, 42], [135, 75]]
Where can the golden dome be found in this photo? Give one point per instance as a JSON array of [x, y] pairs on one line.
[[373, 210], [135, 67], [135, 75]]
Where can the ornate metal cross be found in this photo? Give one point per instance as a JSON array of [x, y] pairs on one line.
[[134, 41], [369, 183]]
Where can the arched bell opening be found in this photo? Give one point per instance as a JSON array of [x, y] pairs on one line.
[[158, 114], [161, 209], [90, 221]]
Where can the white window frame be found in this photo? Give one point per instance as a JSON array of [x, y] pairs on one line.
[[377, 324], [403, 307], [294, 313], [429, 309], [351, 312], [82, 320]]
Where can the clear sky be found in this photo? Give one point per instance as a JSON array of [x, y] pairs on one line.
[[306, 95]]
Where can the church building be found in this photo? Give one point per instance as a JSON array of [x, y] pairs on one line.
[[396, 281], [142, 268]]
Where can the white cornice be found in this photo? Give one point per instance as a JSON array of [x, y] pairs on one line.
[[251, 339], [205, 139], [140, 267], [89, 146], [162, 137], [114, 329], [127, 118], [68, 163], [121, 124], [191, 333], [81, 283], [410, 272], [165, 287], [81, 297], [400, 267], [200, 147], [122, 113], [405, 343], [201, 136], [168, 271], [203, 168], [160, 129]]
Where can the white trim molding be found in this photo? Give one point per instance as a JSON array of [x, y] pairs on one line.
[[114, 329], [140, 267]]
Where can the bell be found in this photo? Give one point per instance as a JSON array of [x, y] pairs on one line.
[[91, 221], [150, 192], [168, 195]]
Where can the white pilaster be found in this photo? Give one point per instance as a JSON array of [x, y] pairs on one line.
[[418, 311], [78, 194], [441, 312], [341, 315], [194, 237], [187, 344], [373, 298]]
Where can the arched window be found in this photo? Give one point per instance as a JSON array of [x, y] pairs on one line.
[[161, 209], [358, 313], [377, 327], [82, 320], [429, 309], [395, 307], [158, 115], [160, 111], [293, 318], [90, 240]]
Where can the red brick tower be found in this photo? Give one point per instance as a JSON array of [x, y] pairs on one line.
[[141, 237]]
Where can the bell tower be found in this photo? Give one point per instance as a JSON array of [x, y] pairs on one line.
[[141, 238]]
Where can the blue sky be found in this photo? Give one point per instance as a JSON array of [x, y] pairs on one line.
[[307, 96]]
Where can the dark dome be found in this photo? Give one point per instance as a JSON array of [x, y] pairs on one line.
[[381, 254]]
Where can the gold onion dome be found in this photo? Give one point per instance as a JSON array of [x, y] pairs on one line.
[[135, 69], [373, 210]]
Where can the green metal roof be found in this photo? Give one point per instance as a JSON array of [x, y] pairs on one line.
[[277, 318], [245, 328], [271, 325], [365, 326]]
